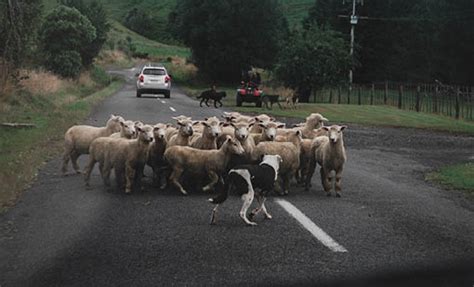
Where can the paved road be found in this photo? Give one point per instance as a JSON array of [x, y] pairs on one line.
[[395, 228]]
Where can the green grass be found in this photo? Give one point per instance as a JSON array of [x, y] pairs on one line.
[[374, 115], [459, 176], [23, 151]]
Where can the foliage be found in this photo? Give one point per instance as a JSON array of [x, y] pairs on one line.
[[95, 12], [407, 40], [313, 59], [227, 37], [100, 76], [140, 21], [66, 35], [459, 176]]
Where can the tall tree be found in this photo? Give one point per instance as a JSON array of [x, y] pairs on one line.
[[313, 59], [95, 12], [227, 37], [66, 35]]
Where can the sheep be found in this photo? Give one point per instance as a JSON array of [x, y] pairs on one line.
[[185, 131], [78, 139], [310, 128], [207, 140], [268, 131], [126, 157], [127, 130], [289, 152], [260, 119], [156, 151], [236, 117], [211, 163], [330, 154]]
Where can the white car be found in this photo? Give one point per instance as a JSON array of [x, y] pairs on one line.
[[153, 79]]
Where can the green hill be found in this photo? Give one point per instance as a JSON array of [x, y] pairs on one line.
[[295, 10]]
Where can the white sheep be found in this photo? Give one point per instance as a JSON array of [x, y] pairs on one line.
[[127, 130], [207, 139], [289, 152], [182, 136], [156, 152], [260, 119], [211, 163], [78, 139], [330, 154], [126, 157], [268, 131]]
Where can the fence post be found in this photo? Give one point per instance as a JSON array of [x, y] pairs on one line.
[[385, 93], [400, 95], [330, 96], [358, 96], [349, 90], [435, 100], [417, 104], [372, 92], [458, 93], [314, 95], [339, 95]]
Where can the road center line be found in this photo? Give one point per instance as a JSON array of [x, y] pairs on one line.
[[163, 102], [317, 232], [171, 108]]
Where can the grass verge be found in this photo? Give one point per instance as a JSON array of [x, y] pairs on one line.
[[459, 176], [23, 151]]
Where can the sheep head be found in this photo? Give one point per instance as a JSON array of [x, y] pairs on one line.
[[145, 133], [159, 131], [269, 129], [128, 129], [315, 120], [212, 127], [241, 131], [334, 133], [114, 123], [232, 146]]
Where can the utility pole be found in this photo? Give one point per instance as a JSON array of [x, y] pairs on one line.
[[353, 21]]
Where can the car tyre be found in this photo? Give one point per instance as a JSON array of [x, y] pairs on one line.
[[138, 94], [167, 94], [259, 103]]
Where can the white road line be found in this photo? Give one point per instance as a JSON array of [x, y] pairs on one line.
[[163, 102], [317, 232], [171, 108]]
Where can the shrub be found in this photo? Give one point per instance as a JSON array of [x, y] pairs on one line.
[[66, 64]]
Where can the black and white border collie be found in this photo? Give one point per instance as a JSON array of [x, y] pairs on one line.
[[246, 179]]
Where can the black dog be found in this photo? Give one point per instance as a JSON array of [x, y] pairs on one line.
[[211, 95]]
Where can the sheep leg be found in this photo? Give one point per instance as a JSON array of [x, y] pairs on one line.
[[106, 168], [130, 176], [338, 182], [214, 215], [74, 157], [88, 170], [247, 199], [214, 178], [309, 174], [66, 157], [326, 181], [175, 176], [286, 183]]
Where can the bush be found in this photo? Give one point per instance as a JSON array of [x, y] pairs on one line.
[[67, 64], [99, 76]]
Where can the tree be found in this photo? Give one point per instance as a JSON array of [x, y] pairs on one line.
[[95, 12], [18, 26], [66, 34], [313, 59], [227, 37]]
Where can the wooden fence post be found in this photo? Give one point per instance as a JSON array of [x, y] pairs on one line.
[[417, 104], [372, 92], [358, 97], [435, 100], [385, 93], [339, 95], [458, 93], [330, 96], [400, 95], [349, 90]]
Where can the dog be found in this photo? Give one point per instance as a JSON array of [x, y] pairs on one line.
[[271, 99], [212, 95], [245, 179], [292, 101]]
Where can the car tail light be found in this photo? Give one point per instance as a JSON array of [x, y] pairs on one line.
[[167, 79], [141, 78]]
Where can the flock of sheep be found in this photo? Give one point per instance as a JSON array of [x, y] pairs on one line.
[[205, 150]]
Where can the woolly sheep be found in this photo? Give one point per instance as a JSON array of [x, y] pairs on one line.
[[268, 131], [126, 157], [156, 152], [127, 130], [207, 140], [330, 154], [78, 139], [185, 131], [211, 163]]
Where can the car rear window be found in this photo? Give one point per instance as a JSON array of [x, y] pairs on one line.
[[156, 72]]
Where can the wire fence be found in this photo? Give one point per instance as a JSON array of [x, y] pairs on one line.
[[448, 100]]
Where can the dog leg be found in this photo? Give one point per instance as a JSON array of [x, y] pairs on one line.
[[213, 215], [247, 198]]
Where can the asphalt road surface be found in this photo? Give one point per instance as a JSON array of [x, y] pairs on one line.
[[390, 228]]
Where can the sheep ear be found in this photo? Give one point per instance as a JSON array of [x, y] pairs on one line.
[[342, 128], [324, 119], [224, 124], [251, 125], [206, 119], [281, 125], [169, 125], [272, 119], [205, 123], [262, 125], [325, 128], [139, 129], [196, 122], [233, 125], [122, 124], [180, 123], [299, 133]]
